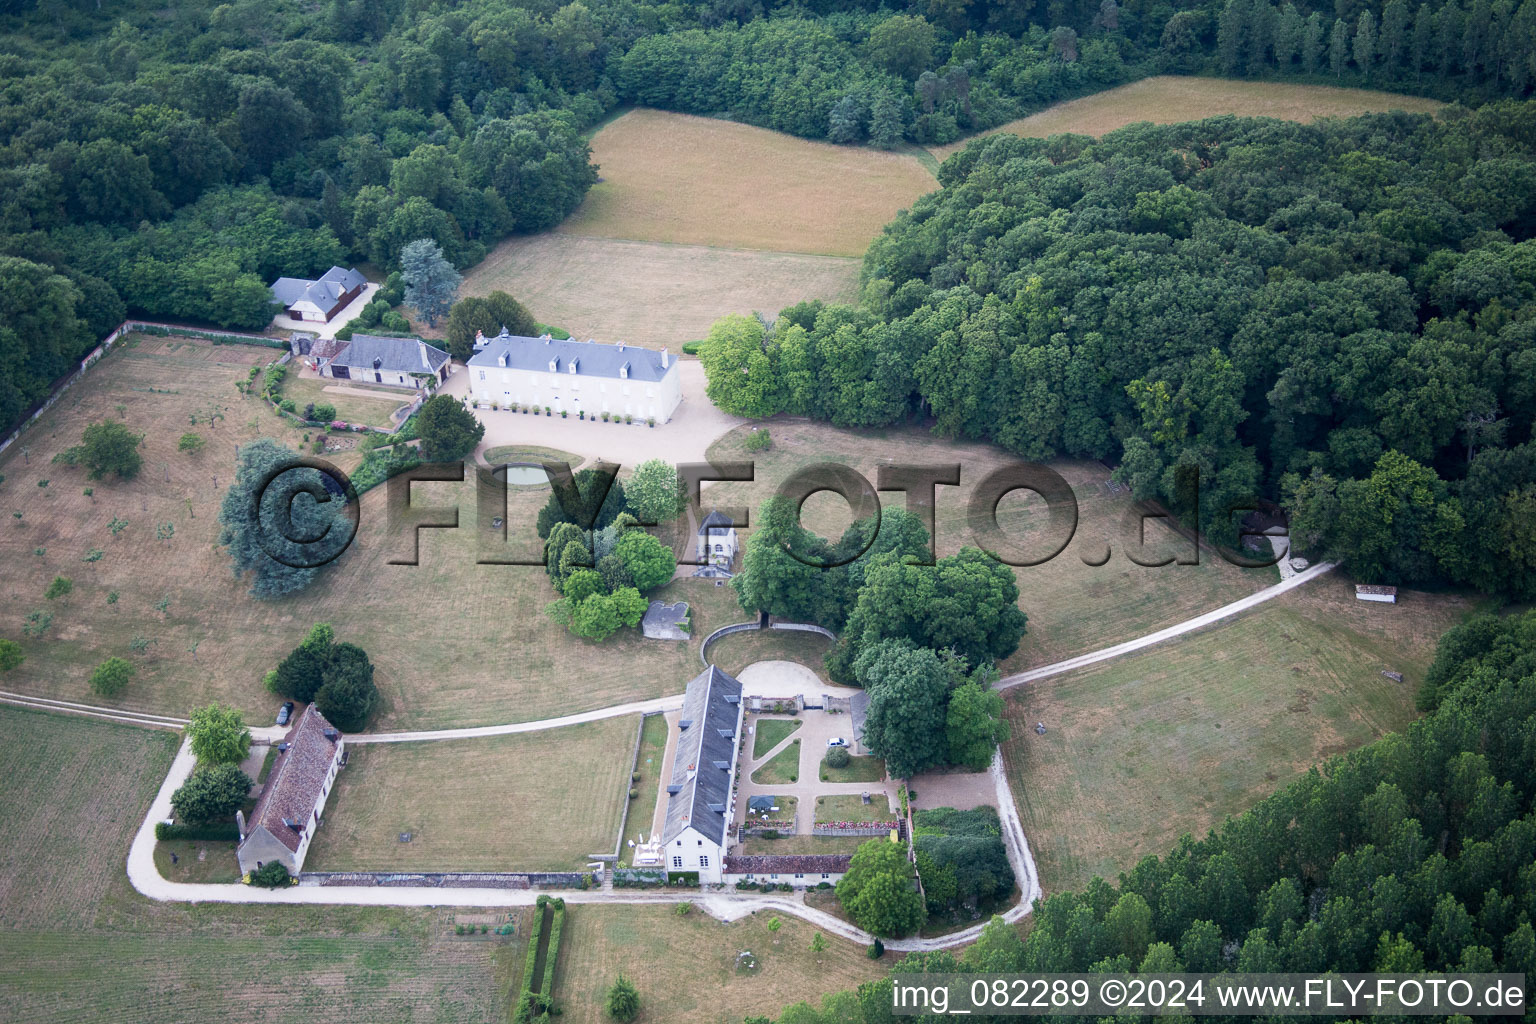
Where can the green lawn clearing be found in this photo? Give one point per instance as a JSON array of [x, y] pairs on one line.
[[784, 768], [859, 769], [851, 807], [770, 732], [354, 403]]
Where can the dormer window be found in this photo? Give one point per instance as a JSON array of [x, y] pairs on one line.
[[554, 365], [624, 371], [572, 365], [501, 360]]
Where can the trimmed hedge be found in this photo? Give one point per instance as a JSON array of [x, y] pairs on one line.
[[691, 348], [216, 833], [533, 947], [683, 878], [630, 878], [547, 983]]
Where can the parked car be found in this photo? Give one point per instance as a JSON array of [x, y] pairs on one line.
[[837, 741], [284, 712]]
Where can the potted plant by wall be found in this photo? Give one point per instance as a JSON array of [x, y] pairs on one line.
[[564, 414]]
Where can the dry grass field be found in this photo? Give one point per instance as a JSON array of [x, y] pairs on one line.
[[1072, 607], [1166, 99], [78, 945], [652, 293], [679, 178], [1172, 740], [684, 967], [538, 801], [453, 642]]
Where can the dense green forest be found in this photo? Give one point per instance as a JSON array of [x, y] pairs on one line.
[[1340, 315], [1416, 853], [171, 160]]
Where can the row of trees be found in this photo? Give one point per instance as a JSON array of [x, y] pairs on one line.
[[1335, 315], [1482, 44], [1410, 855]]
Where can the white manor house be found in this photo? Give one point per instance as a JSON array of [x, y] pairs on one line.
[[574, 377]]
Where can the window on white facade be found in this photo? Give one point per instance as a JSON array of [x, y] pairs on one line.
[[650, 392], [677, 862], [703, 861], [482, 375]]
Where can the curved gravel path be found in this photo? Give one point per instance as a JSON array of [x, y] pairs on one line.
[[148, 881]]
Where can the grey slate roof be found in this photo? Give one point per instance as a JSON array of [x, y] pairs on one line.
[[716, 520], [401, 355], [858, 709], [592, 359], [712, 709], [323, 293]]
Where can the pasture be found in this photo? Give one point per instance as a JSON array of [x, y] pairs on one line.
[[701, 181], [653, 293], [1073, 607], [685, 966], [80, 945], [1174, 739], [538, 801], [454, 642], [1166, 99]]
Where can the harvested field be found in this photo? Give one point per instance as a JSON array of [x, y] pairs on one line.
[[539, 801], [651, 293], [679, 178], [1166, 99], [79, 945]]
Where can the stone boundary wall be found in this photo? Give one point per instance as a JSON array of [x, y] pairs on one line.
[[871, 829], [634, 766], [447, 880], [130, 327], [803, 627]]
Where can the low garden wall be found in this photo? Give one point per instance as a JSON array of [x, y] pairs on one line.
[[856, 828], [760, 826], [449, 879]]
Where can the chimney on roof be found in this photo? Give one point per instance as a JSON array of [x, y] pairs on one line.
[[240, 824], [547, 337], [421, 346], [621, 346], [664, 356]]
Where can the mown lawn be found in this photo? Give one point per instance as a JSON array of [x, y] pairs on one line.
[[770, 732], [527, 802], [685, 967], [784, 768], [79, 945], [859, 769], [1176, 738]]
